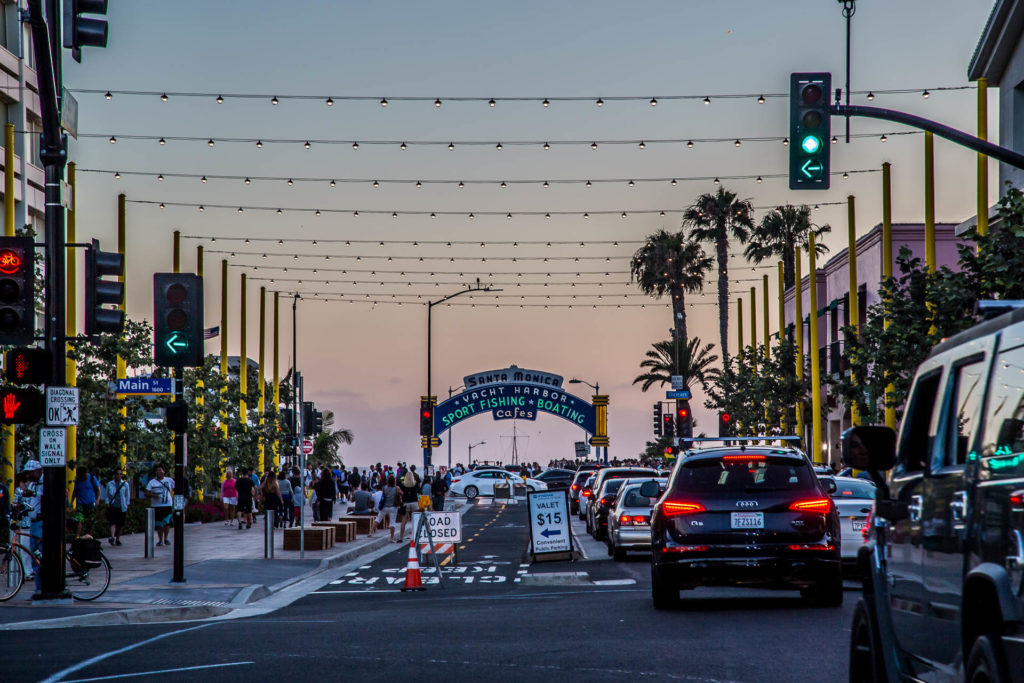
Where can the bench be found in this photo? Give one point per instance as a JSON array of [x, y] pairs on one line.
[[362, 522], [343, 531], [316, 537]]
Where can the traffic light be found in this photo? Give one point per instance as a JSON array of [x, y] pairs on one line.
[[178, 320], [100, 293], [318, 422], [288, 419], [17, 291], [21, 406], [28, 366], [657, 418], [724, 424], [82, 31], [810, 124], [684, 420], [668, 427], [307, 418], [426, 416]]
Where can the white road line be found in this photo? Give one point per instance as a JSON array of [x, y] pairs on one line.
[[158, 671], [59, 676]]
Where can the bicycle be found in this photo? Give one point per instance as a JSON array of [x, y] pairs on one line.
[[86, 572]]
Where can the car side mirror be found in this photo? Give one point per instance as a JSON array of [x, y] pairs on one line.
[[869, 448], [649, 489], [830, 486]]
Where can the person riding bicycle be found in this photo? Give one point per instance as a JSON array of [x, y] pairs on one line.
[[31, 498]]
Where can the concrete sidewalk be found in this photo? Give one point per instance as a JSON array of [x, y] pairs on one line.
[[224, 569]]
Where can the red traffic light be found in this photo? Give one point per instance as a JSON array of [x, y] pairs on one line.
[[10, 262], [425, 414], [21, 406], [683, 413], [726, 417], [27, 366]]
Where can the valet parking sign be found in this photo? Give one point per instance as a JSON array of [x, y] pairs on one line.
[[549, 521]]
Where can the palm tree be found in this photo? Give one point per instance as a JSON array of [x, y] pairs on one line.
[[327, 443], [779, 232], [716, 218], [670, 263], [694, 364]]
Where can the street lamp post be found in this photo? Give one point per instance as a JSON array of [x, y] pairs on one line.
[[428, 448], [471, 447], [452, 428], [597, 390]]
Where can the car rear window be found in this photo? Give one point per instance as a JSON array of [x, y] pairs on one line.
[[854, 489], [738, 474], [635, 500], [611, 486]]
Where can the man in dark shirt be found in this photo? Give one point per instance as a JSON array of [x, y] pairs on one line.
[[244, 485], [362, 499], [325, 494]]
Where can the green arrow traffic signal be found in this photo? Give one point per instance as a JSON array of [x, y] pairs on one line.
[[177, 343], [812, 168]]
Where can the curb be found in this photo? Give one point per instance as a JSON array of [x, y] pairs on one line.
[[149, 615]]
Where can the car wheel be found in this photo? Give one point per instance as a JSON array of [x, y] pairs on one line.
[[827, 590], [611, 551], [865, 659], [618, 554], [985, 665], [599, 533], [472, 492], [664, 593]]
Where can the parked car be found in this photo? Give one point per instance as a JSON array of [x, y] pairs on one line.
[[853, 499], [629, 522], [574, 490], [744, 517], [586, 493], [943, 591], [482, 482], [557, 479]]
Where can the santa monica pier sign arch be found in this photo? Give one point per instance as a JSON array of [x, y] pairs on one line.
[[520, 394]]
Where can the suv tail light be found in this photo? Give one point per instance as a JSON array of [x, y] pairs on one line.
[[586, 493], [625, 519], [822, 505], [866, 531], [673, 508], [607, 500], [575, 487]]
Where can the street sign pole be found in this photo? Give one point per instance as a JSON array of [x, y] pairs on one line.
[[179, 487]]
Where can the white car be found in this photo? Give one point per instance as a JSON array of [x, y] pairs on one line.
[[481, 483], [853, 499]]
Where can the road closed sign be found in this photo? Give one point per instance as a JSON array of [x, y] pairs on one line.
[[444, 527], [549, 521]]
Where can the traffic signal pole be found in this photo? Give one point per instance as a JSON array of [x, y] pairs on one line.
[[53, 154], [180, 444]]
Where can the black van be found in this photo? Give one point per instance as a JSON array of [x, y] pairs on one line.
[[944, 575]]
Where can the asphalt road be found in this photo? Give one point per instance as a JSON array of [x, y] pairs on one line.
[[487, 621]]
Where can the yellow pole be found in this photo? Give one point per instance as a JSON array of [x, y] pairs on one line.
[[262, 405], [277, 379], [753, 325], [224, 344], [815, 363], [783, 424], [929, 200], [243, 362], [890, 411], [764, 302], [200, 483], [739, 327], [7, 465], [798, 335], [122, 248], [982, 159], [854, 305], [71, 325]]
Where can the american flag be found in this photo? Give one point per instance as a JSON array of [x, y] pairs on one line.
[[211, 332]]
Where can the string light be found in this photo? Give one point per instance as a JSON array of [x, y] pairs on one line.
[[209, 142], [330, 102], [498, 147], [220, 100], [273, 100], [355, 145], [883, 138], [925, 94], [642, 145], [600, 102], [259, 144], [451, 146], [871, 96], [162, 141], [760, 99], [437, 102], [545, 102], [117, 175], [834, 139], [689, 143], [547, 146], [112, 139], [707, 100], [333, 183], [491, 102], [160, 177], [402, 146], [107, 95], [307, 145], [654, 102], [163, 97], [383, 101]]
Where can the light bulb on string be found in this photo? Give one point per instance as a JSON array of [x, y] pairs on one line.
[[383, 101], [333, 183], [689, 144], [593, 145], [307, 145], [112, 139], [402, 146], [760, 99], [107, 95], [871, 96], [259, 144], [160, 176], [451, 146], [355, 145], [759, 179], [290, 182], [491, 102], [498, 147], [163, 97], [642, 145], [707, 100], [654, 102], [925, 94], [210, 142], [330, 102], [162, 141], [273, 100], [547, 146], [117, 175], [545, 102]]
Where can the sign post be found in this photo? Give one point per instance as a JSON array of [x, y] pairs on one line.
[[550, 535]]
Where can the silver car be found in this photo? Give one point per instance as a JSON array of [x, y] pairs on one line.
[[853, 498], [629, 522]]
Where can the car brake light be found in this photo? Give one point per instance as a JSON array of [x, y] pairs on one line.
[[586, 493], [866, 531], [742, 458], [575, 487], [822, 505], [1017, 498], [812, 546], [684, 549], [456, 481], [672, 508]]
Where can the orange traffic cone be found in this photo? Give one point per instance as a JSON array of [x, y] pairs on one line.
[[413, 582]]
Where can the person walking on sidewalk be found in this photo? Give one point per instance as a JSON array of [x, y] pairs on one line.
[[118, 499], [85, 493], [244, 486], [270, 493], [160, 490], [390, 499], [325, 494], [284, 512], [229, 497], [410, 497], [298, 496], [438, 489]]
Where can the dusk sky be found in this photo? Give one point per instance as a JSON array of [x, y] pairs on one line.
[[366, 361]]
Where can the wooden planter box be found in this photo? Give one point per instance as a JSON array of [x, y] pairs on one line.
[[343, 531], [316, 538]]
